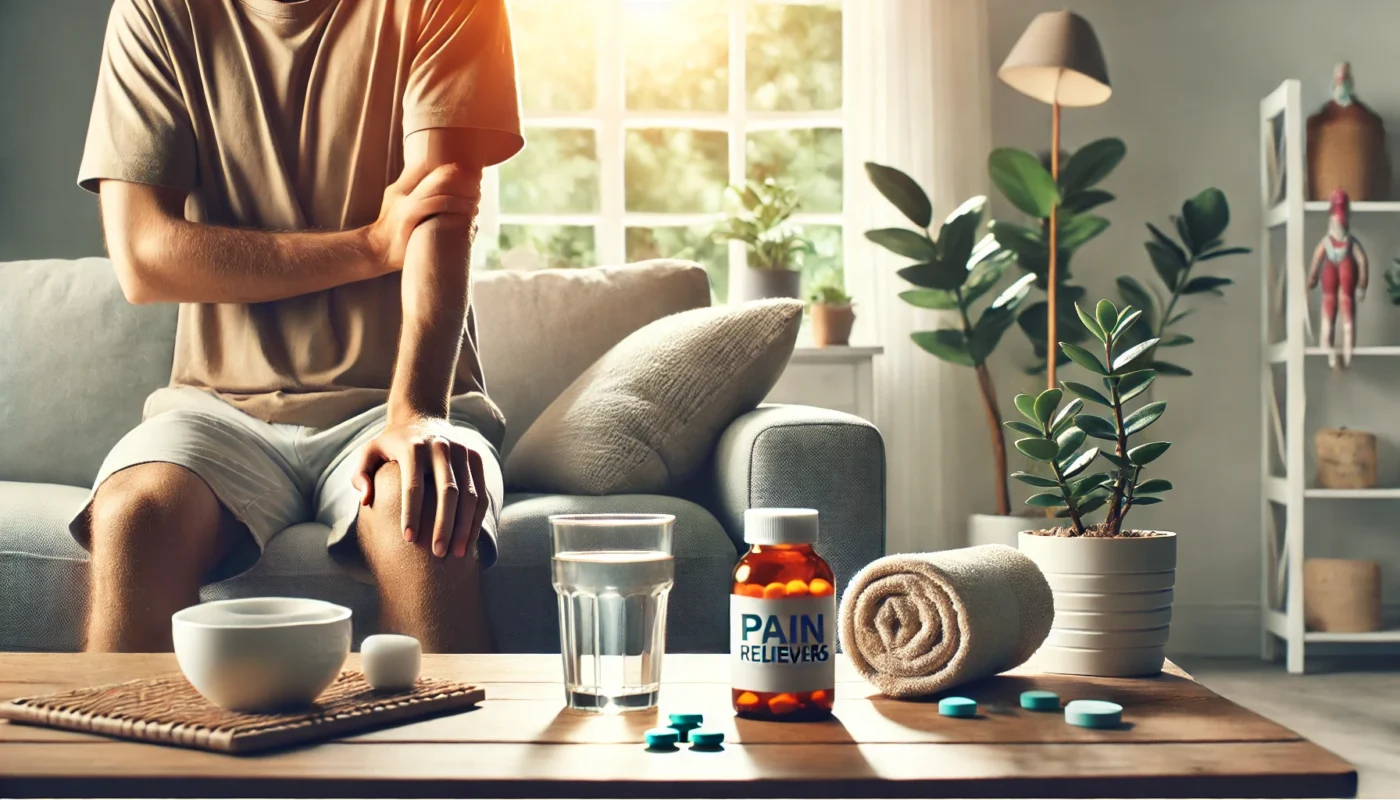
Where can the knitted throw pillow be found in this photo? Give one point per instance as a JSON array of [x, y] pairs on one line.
[[645, 415]]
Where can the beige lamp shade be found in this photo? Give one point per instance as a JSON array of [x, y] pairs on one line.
[[1058, 60]]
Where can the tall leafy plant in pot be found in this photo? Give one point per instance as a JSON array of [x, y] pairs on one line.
[[1113, 585], [1026, 183], [953, 270], [1200, 230]]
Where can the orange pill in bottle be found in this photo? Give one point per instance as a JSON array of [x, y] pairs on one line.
[[782, 650]]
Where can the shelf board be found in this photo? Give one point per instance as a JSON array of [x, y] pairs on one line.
[[1376, 350], [1359, 207], [1278, 215], [1278, 351], [1389, 493], [1372, 636]]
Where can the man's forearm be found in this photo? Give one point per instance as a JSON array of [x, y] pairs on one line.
[[436, 282], [195, 263]]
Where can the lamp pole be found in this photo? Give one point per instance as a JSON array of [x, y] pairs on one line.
[[1052, 323]]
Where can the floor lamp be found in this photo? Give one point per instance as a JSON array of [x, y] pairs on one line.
[[1057, 61]]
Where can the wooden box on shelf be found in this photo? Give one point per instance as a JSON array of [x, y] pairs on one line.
[[1346, 459], [1341, 595]]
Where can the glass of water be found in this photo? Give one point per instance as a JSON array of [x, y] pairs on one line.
[[612, 573]]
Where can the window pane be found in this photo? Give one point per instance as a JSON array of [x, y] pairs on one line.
[[555, 43], [556, 173], [676, 171], [808, 158], [826, 263], [677, 55], [544, 247], [794, 57], [693, 244]]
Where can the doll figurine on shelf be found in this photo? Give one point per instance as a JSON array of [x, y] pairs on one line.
[[1340, 262]]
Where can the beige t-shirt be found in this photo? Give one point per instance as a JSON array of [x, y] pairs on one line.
[[291, 116]]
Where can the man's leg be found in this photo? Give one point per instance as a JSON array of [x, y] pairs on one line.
[[156, 531], [436, 600], [197, 489]]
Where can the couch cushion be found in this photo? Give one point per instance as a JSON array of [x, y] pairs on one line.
[[520, 595], [646, 415], [539, 330], [76, 364], [43, 572]]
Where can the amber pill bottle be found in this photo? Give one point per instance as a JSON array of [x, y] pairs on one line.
[[782, 620]]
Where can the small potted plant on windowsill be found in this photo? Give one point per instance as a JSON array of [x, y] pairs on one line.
[[1112, 584], [760, 217], [832, 314]]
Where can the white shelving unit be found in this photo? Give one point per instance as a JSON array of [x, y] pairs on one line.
[[1284, 334]]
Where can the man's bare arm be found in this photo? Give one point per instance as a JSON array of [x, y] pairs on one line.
[[436, 281], [161, 257]]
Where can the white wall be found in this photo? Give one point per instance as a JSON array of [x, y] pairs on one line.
[[1187, 78]]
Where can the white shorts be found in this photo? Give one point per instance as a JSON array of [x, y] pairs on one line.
[[272, 475]]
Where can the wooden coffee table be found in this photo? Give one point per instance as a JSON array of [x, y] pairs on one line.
[[1179, 739]]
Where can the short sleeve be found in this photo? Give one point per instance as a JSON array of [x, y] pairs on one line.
[[140, 126], [463, 75]]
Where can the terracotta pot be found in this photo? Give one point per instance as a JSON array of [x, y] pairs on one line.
[[748, 283], [1113, 602], [831, 325], [996, 529]]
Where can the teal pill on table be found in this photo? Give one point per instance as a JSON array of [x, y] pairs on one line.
[[701, 739], [662, 738], [957, 707], [1038, 700], [690, 719], [1094, 714]]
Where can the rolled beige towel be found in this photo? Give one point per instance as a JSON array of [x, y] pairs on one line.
[[919, 623]]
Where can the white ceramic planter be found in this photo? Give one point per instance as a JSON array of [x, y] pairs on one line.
[[996, 529], [1113, 601]]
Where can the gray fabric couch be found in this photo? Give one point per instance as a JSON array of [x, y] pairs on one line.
[[76, 363]]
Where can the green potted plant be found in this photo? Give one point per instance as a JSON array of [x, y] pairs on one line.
[[760, 216], [1025, 181], [952, 272], [832, 313], [1112, 584], [1200, 230]]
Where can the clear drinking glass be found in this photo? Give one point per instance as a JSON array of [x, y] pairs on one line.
[[612, 573]]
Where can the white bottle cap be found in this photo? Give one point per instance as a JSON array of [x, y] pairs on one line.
[[780, 526]]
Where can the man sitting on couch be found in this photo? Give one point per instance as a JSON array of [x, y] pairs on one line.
[[302, 178]]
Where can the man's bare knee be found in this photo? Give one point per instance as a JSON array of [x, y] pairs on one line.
[[156, 501], [383, 517]]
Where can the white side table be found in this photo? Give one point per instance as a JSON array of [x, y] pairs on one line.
[[838, 378]]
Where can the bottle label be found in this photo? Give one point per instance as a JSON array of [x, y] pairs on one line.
[[782, 645]]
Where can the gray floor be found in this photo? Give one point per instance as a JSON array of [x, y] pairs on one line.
[[1349, 706]]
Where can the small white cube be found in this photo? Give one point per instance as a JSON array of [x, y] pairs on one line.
[[391, 662]]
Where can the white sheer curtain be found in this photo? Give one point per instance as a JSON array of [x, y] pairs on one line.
[[918, 98]]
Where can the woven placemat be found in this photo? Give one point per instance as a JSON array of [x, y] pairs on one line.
[[168, 710]]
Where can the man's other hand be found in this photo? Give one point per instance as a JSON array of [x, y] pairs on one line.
[[429, 459], [413, 199]]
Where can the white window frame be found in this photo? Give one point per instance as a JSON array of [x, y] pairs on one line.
[[610, 120]]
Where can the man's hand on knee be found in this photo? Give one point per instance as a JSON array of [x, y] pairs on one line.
[[429, 461]]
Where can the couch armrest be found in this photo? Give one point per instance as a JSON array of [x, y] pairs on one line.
[[789, 456]]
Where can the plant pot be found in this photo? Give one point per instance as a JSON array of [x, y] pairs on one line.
[[997, 529], [748, 284], [831, 325], [1113, 601]]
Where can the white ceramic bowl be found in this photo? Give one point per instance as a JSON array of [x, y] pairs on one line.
[[262, 654]]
